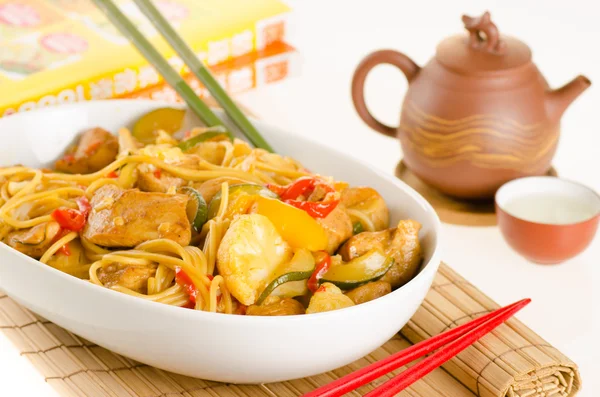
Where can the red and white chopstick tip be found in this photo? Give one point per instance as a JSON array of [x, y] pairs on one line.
[[453, 342]]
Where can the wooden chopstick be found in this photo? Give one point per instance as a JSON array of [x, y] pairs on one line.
[[467, 333], [206, 115], [202, 73]]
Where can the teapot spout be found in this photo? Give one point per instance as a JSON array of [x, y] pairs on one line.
[[558, 100]]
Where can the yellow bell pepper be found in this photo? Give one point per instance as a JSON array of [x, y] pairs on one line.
[[296, 227]]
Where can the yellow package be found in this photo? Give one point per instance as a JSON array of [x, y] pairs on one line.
[[72, 52]]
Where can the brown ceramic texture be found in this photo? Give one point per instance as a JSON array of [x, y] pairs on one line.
[[452, 210], [545, 243], [477, 115]]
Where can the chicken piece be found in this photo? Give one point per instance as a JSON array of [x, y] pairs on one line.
[[275, 306], [401, 243], [133, 277], [327, 298], [369, 291], [96, 149], [153, 179], [338, 227], [34, 242], [209, 188], [249, 254], [370, 204], [5, 229], [211, 151], [126, 218], [161, 181]]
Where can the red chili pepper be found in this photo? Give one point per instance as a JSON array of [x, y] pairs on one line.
[[321, 268], [210, 277], [69, 219], [278, 190], [65, 250], [302, 186], [241, 309], [186, 282], [112, 174], [157, 173], [189, 305], [68, 158], [315, 209], [84, 206]]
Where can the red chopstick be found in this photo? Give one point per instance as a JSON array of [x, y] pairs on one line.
[[473, 330], [416, 372]]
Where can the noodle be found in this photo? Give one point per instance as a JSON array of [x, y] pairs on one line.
[[160, 269]]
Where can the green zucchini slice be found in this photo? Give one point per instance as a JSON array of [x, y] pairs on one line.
[[197, 210], [368, 267], [357, 227], [210, 133], [290, 281]]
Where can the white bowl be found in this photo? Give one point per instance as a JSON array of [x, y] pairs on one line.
[[227, 348]]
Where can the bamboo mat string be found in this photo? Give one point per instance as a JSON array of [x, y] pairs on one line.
[[511, 362]]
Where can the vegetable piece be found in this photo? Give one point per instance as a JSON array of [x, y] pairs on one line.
[[323, 264], [401, 243], [250, 252], [197, 210], [69, 218], [357, 227], [182, 279], [299, 268], [296, 227], [166, 119], [84, 205], [327, 298], [315, 209], [371, 266], [235, 192], [302, 188], [65, 250], [366, 205], [276, 307], [369, 291], [208, 134]]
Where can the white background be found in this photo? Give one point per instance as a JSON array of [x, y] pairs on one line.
[[333, 36]]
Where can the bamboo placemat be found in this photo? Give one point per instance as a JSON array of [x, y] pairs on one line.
[[513, 361]]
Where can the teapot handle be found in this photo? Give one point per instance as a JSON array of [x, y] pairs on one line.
[[395, 58]]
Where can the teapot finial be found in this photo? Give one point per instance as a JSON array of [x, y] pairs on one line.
[[483, 33]]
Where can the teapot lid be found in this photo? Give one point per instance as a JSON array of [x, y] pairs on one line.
[[483, 51]]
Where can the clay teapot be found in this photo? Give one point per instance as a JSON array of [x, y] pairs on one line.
[[477, 115]]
